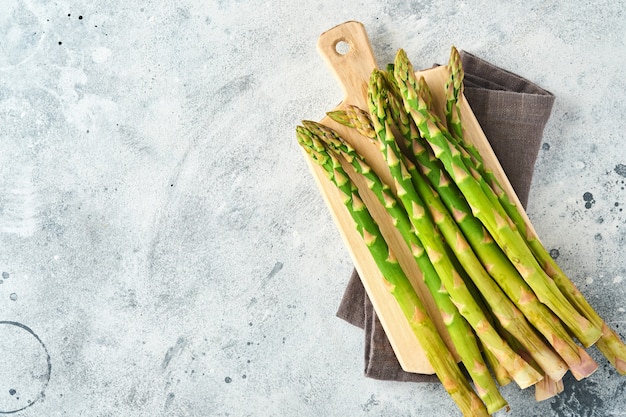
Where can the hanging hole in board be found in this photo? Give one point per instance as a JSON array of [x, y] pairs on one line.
[[342, 47]]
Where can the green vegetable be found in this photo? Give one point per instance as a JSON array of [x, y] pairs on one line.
[[400, 287], [460, 332], [504, 301], [609, 344], [435, 247], [492, 215], [499, 267]]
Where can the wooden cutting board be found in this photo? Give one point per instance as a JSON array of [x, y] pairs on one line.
[[348, 52]]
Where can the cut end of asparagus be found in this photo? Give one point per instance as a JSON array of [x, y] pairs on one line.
[[585, 368], [589, 333], [492, 400], [527, 381], [548, 388], [620, 365], [613, 349]]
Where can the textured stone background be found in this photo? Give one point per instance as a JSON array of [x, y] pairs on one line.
[[164, 250]]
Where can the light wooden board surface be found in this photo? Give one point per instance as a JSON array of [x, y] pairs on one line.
[[352, 66]]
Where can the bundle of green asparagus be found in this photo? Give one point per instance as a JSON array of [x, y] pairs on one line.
[[510, 312]]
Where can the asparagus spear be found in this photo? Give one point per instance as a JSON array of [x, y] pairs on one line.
[[436, 351], [454, 90], [454, 94], [499, 267], [611, 346], [519, 370], [460, 332], [361, 121], [550, 362], [499, 373], [499, 225]]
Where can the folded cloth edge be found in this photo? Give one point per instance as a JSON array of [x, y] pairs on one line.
[[477, 68]]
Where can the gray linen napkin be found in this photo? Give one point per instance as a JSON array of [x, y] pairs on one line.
[[512, 112]]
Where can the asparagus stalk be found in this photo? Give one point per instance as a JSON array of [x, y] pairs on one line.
[[609, 344], [454, 90], [460, 332], [436, 351], [488, 252], [544, 389], [548, 388], [454, 95], [549, 361], [519, 370], [499, 267], [499, 373], [499, 225], [512, 319]]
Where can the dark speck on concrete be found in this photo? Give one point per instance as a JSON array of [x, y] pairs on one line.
[[370, 404], [5, 275], [12, 391], [545, 147], [554, 253], [275, 270], [173, 351], [228, 380], [620, 169], [598, 237], [589, 201], [169, 400], [277, 267], [233, 88]]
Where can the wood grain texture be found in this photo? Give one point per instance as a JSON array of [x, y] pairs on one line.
[[353, 69]]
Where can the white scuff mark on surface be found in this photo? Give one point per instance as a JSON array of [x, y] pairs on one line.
[[101, 55], [19, 207]]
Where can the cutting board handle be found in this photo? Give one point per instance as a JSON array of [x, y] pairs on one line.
[[347, 51]]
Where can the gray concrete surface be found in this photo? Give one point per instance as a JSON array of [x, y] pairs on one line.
[[163, 248]]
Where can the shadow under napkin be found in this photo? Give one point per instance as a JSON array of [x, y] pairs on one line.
[[512, 112]]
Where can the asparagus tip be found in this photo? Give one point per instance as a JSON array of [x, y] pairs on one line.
[[340, 117]]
